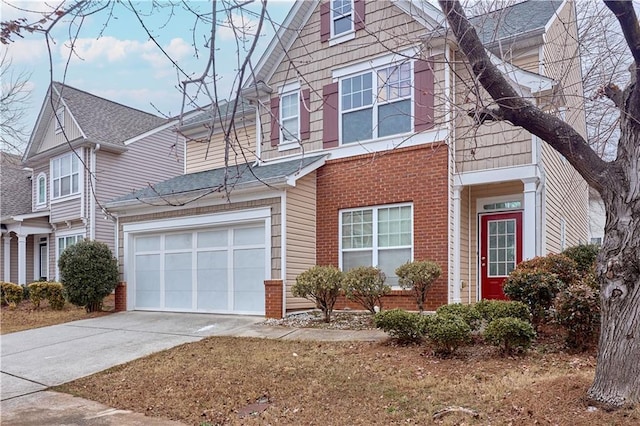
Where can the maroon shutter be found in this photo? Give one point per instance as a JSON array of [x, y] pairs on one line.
[[358, 19], [305, 114], [330, 115], [275, 121], [423, 95], [325, 21]]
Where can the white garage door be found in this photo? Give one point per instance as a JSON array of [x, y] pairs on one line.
[[218, 270]]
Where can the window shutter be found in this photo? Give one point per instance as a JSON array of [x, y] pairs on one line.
[[423, 95], [305, 114], [275, 121], [358, 19], [330, 115], [325, 21]]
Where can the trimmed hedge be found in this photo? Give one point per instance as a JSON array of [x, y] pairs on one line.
[[51, 291], [321, 285], [509, 333], [494, 309], [12, 294], [468, 313], [365, 285], [447, 332], [407, 327], [418, 276]]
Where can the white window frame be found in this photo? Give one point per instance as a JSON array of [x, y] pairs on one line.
[[375, 249], [59, 119], [56, 180], [41, 187], [295, 138], [79, 236], [336, 16], [374, 69]]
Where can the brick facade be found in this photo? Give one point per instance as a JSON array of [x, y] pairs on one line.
[[418, 175], [273, 298], [121, 297]]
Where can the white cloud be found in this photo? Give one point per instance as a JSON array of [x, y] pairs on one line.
[[116, 50], [239, 26], [27, 52]]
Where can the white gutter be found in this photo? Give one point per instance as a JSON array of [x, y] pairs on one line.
[[92, 193]]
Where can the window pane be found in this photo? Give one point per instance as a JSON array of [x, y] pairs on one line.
[[65, 185], [55, 168], [177, 241], [342, 25], [74, 184], [248, 236], [41, 190], [74, 163], [290, 129], [56, 188], [65, 165], [389, 260], [212, 239], [353, 259], [394, 118], [147, 243], [357, 126]]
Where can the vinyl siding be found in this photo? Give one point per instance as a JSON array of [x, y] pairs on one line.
[[206, 156], [146, 161], [466, 250], [65, 210], [52, 139], [301, 235], [311, 62]]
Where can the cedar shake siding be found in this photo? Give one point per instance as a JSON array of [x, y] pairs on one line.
[[417, 175]]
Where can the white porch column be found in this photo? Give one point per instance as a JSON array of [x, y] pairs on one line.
[[22, 259], [529, 219], [457, 189], [7, 258]]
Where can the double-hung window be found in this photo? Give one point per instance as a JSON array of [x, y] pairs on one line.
[[376, 103], [65, 176], [290, 117], [377, 236], [341, 16]]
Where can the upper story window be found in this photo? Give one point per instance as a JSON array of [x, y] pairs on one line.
[[59, 119], [289, 117], [341, 16], [41, 189], [376, 103], [65, 176], [377, 236]]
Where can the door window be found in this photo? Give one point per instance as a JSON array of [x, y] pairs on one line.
[[502, 247]]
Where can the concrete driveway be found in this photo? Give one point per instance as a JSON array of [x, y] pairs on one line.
[[34, 360]]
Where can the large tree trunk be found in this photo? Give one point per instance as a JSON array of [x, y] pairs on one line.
[[617, 380]]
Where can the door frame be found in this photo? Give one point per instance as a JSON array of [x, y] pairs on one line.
[[482, 245]]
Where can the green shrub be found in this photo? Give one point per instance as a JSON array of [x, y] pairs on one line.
[[89, 273], [509, 333], [365, 285], [467, 312], [407, 327], [12, 294], [584, 255], [447, 333], [55, 296], [321, 285], [536, 289], [565, 268], [494, 309], [578, 310], [419, 276], [37, 292], [52, 291]]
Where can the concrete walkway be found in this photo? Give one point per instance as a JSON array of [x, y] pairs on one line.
[[34, 360]]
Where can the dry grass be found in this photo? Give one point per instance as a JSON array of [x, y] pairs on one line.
[[25, 316], [211, 381]]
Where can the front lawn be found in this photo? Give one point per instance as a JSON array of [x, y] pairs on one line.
[[25, 316], [217, 379]]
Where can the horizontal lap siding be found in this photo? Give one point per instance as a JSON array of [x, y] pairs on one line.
[[311, 62], [566, 193], [206, 156], [65, 210], [301, 235], [147, 161]]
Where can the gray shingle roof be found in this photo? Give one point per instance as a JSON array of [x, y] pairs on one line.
[[224, 109], [105, 121], [213, 180], [520, 18], [15, 186]]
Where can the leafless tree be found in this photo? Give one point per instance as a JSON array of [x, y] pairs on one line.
[[617, 380], [14, 101]]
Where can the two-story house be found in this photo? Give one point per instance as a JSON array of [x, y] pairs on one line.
[[83, 151], [354, 147]]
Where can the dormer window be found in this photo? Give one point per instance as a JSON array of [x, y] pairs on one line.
[[341, 17], [59, 119]]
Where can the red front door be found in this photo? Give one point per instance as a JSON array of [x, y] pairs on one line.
[[500, 251]]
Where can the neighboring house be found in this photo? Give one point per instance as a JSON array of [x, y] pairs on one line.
[[355, 148], [84, 151], [597, 217]]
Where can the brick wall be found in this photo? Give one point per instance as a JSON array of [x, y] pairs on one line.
[[273, 298], [416, 174], [121, 297]]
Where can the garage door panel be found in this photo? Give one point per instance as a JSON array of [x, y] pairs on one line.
[[213, 283], [248, 280], [208, 239], [148, 243], [147, 280], [178, 241], [248, 236], [177, 281]]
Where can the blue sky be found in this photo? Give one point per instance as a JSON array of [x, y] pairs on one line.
[[116, 59]]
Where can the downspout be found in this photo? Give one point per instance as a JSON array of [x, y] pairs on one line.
[[469, 252], [92, 199]]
